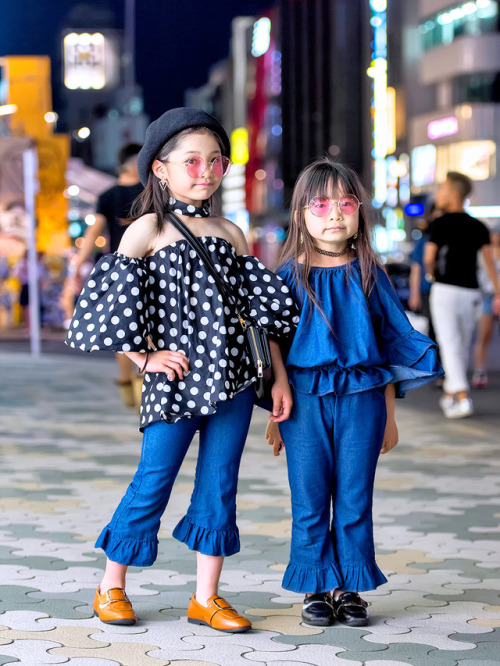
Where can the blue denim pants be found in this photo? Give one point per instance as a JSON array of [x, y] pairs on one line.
[[332, 445], [210, 523]]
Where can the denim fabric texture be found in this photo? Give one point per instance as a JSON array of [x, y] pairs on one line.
[[210, 523], [332, 445], [371, 343]]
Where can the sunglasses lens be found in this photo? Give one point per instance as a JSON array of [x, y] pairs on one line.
[[195, 167], [320, 206], [220, 166], [349, 204]]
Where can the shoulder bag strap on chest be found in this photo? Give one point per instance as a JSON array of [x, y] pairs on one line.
[[228, 296]]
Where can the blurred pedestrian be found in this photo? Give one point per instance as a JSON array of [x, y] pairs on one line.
[[487, 321], [156, 293], [5, 298], [21, 272], [420, 287], [113, 206], [354, 351], [450, 260]]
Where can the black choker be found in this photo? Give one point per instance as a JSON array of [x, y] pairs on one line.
[[332, 254], [182, 208]]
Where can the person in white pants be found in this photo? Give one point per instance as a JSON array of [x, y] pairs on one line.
[[455, 312], [450, 260]]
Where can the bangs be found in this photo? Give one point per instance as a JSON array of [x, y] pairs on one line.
[[325, 181]]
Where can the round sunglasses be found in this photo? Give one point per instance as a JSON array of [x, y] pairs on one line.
[[196, 166], [321, 206]]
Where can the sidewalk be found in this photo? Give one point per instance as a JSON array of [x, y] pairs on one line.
[[69, 449]]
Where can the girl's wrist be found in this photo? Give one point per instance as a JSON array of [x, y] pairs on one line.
[[280, 375], [146, 361]]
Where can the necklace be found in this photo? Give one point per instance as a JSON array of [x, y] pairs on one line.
[[332, 254], [182, 208]]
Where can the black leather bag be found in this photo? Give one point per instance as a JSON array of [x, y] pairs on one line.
[[256, 336]]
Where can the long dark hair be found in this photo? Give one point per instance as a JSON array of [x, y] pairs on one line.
[[319, 178], [155, 200]]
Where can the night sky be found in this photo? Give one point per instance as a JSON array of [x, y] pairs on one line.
[[176, 40]]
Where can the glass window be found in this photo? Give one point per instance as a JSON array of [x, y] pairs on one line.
[[476, 159], [471, 18], [477, 87]]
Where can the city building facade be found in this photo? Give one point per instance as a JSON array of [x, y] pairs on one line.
[[451, 62]]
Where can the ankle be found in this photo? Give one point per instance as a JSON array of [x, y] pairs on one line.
[[202, 598], [107, 585]]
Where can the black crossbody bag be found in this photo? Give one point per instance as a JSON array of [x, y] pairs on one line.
[[256, 336]]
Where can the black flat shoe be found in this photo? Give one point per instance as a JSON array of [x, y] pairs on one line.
[[317, 610], [350, 609]]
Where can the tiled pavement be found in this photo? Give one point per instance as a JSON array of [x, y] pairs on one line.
[[68, 451]]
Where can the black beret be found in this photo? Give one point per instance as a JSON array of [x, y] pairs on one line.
[[166, 126]]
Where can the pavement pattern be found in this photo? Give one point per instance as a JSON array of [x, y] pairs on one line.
[[68, 451]]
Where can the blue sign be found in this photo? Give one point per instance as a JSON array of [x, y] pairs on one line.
[[414, 209]]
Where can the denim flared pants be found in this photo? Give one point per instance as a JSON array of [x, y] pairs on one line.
[[209, 525], [332, 445]]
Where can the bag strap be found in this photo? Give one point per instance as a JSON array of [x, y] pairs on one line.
[[228, 296]]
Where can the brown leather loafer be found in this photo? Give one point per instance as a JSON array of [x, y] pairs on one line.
[[114, 607], [217, 614]]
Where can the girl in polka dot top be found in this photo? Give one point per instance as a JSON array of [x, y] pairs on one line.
[[155, 293]]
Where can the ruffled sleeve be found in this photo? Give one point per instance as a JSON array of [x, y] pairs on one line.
[[112, 310], [410, 356], [266, 299]]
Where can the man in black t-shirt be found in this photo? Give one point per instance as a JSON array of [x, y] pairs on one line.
[[450, 261], [113, 205]]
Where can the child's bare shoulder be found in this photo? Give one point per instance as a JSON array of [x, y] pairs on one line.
[[139, 237], [234, 234]]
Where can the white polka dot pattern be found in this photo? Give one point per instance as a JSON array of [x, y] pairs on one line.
[[170, 298]]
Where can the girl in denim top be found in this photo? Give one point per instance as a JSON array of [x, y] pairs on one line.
[[353, 353]]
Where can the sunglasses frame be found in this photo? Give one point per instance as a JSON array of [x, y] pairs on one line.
[[335, 201], [210, 165]]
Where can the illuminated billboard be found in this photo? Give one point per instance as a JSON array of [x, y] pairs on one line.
[[90, 61]]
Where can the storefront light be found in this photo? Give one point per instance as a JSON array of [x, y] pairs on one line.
[[89, 61], [7, 109], [239, 145], [74, 229], [378, 5], [83, 133], [261, 39], [437, 129], [484, 211]]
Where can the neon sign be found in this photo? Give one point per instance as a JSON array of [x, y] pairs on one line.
[[437, 129]]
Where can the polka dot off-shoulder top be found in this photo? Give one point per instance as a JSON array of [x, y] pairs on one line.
[[171, 299]]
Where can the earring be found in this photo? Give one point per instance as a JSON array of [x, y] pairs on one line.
[[353, 239], [355, 235], [301, 237], [163, 184]]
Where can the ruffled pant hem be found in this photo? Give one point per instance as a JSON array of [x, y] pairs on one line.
[[311, 579], [361, 577], [126, 551], [205, 540]]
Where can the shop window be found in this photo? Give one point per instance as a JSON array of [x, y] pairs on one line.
[[465, 19]]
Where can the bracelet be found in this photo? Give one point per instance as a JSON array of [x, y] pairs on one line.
[[145, 364]]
